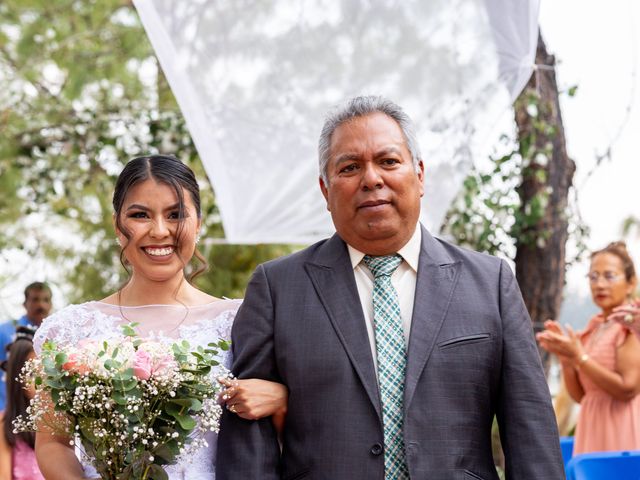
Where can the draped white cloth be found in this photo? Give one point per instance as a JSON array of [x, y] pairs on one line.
[[255, 78]]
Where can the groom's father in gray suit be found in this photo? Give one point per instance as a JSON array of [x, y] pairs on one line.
[[398, 349]]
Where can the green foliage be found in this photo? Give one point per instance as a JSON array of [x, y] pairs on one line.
[[630, 224], [81, 92], [488, 214], [231, 266], [571, 91], [533, 161], [482, 215]]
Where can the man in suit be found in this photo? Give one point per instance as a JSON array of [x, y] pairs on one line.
[[398, 349]]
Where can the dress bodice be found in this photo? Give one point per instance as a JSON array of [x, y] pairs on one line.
[[601, 340], [198, 325]]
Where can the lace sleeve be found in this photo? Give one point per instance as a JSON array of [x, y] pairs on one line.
[[52, 327], [72, 324], [226, 322]]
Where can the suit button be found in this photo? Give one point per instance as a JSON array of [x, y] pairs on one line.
[[376, 449]]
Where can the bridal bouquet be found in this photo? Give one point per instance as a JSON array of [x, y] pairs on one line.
[[134, 405]]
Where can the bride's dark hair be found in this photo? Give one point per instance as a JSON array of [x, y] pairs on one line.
[[171, 172]]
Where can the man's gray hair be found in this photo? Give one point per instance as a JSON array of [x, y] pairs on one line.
[[360, 107]]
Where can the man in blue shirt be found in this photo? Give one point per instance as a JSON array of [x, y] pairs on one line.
[[37, 303]]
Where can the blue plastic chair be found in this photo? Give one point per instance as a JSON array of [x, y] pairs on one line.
[[566, 446], [605, 466]]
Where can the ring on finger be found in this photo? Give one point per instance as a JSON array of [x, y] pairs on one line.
[[628, 319], [232, 408]]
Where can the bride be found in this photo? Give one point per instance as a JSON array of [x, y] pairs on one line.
[[157, 218]]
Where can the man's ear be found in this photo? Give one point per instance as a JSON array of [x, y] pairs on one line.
[[325, 191], [421, 177]]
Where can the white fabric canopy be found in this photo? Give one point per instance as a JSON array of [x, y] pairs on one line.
[[255, 78]]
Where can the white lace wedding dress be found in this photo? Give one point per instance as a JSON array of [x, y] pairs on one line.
[[199, 325]]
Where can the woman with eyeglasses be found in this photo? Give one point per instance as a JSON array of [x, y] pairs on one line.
[[601, 364]]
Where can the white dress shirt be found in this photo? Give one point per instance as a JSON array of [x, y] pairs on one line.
[[403, 280]]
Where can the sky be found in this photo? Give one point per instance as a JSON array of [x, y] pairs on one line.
[[597, 47]]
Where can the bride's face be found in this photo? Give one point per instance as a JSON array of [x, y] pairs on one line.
[[161, 240]]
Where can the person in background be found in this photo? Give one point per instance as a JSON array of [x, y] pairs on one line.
[[37, 303], [601, 364], [17, 455]]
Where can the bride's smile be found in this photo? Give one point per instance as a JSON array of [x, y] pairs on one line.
[[159, 253]]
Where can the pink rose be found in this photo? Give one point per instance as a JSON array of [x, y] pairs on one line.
[[142, 365], [74, 364], [164, 366]]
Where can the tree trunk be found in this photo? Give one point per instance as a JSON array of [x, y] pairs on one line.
[[546, 178]]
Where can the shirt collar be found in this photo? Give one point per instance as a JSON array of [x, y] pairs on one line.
[[410, 252]]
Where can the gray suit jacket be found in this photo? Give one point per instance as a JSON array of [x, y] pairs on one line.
[[471, 356]]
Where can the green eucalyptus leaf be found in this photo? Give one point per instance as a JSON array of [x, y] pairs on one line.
[[156, 472], [187, 422], [197, 355], [182, 402], [86, 429], [61, 358], [119, 398], [54, 382], [167, 452], [174, 409]]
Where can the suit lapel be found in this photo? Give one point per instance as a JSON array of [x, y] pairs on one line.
[[437, 278], [334, 282]]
